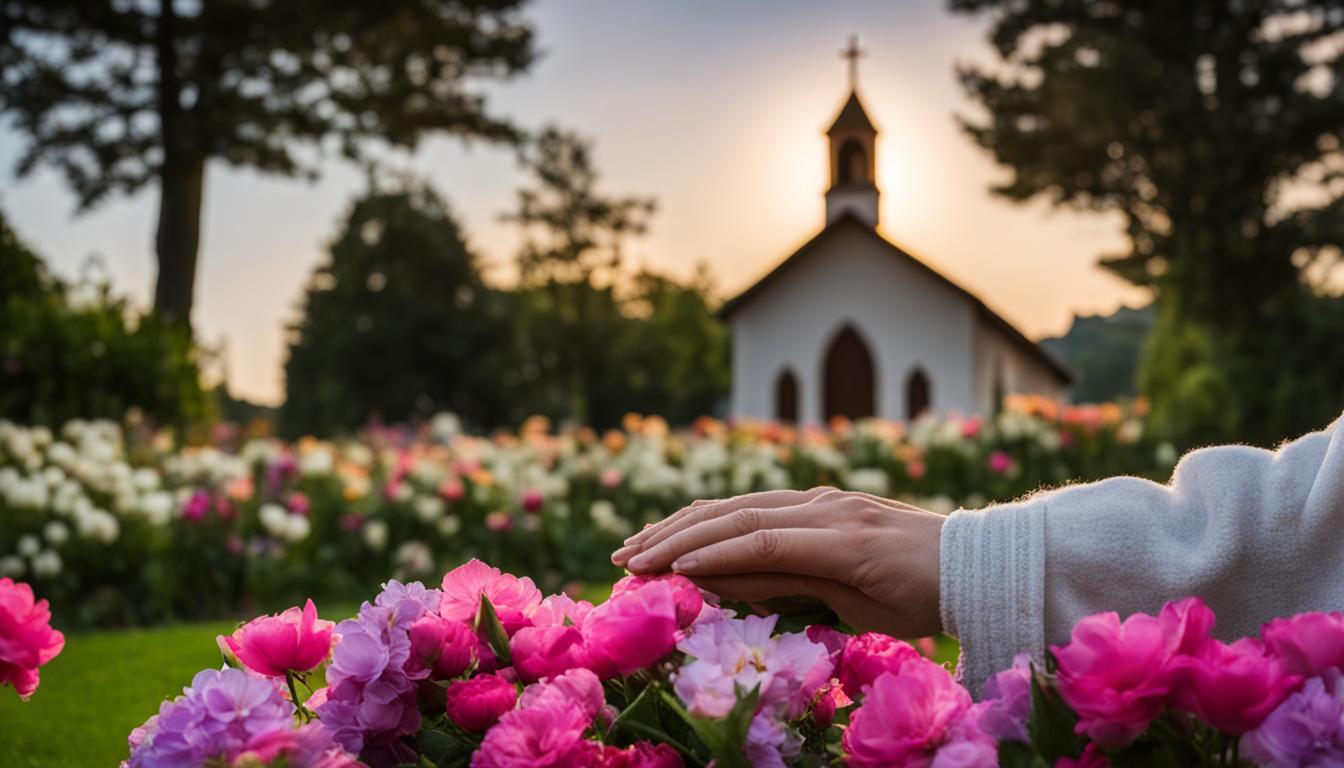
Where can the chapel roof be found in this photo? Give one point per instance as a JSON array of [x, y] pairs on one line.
[[848, 221], [852, 117]]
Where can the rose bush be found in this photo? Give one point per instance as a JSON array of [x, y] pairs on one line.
[[127, 525], [653, 679]]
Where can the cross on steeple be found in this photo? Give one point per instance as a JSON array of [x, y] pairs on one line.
[[852, 53]]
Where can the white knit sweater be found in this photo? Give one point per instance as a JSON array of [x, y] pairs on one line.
[[1256, 534]]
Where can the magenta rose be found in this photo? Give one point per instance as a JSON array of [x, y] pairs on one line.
[[868, 655], [1231, 687], [294, 641], [478, 703], [27, 640], [905, 718], [687, 597], [440, 648], [632, 631], [546, 651], [1309, 644], [642, 754]]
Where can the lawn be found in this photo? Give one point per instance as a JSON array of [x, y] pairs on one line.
[[100, 687]]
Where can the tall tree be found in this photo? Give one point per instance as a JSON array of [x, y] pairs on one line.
[[1202, 123], [570, 263], [397, 324], [119, 94]]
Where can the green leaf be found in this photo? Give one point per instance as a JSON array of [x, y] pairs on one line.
[[1015, 754], [488, 620], [1052, 723], [726, 736]]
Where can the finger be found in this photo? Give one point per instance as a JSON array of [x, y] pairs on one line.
[[657, 556], [854, 608], [698, 513], [821, 552]]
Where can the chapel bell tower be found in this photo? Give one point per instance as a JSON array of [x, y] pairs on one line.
[[853, 144]]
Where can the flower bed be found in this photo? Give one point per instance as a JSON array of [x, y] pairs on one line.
[[486, 672], [124, 526]]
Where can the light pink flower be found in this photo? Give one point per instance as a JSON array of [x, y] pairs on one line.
[[868, 655], [478, 703], [1231, 687], [27, 640], [295, 640], [440, 648], [685, 594], [514, 599], [967, 745], [577, 687], [610, 478], [1309, 643], [632, 631], [453, 489], [904, 718], [544, 735]]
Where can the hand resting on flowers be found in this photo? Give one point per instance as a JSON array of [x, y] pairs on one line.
[[871, 560]]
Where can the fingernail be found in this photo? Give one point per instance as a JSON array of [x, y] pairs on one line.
[[620, 556], [684, 563], [638, 561]]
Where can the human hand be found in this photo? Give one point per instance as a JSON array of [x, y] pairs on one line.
[[871, 560]]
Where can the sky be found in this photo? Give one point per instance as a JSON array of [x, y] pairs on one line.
[[717, 110]]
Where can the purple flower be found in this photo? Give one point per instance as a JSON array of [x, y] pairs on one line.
[[1306, 729], [218, 716], [741, 653], [370, 698], [1008, 702]]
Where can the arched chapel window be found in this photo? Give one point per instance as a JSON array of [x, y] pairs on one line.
[[853, 163], [918, 394], [786, 397]]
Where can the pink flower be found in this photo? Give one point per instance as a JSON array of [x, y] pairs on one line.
[[916, 469], [299, 504], [1231, 687], [971, 427], [1007, 702], [453, 489], [1000, 462], [1308, 643], [532, 500], [868, 655], [967, 746], [577, 688], [545, 735], [686, 595], [196, 507], [545, 651], [294, 640], [610, 478], [594, 754], [833, 640], [1092, 757], [27, 640], [905, 717], [514, 599], [478, 703], [440, 648], [1117, 676], [633, 630], [498, 521]]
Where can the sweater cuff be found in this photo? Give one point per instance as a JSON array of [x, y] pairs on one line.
[[991, 585]]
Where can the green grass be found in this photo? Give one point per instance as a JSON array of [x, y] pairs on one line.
[[100, 687]]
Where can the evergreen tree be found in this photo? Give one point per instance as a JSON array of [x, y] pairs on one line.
[[118, 95], [397, 324], [1197, 122]]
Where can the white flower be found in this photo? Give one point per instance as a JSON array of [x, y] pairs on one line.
[[413, 558], [11, 565], [403, 492], [47, 564], [874, 481], [604, 516], [297, 528], [1166, 455], [157, 507], [940, 505], [318, 461], [375, 534], [974, 501], [1130, 432], [445, 426], [97, 525], [29, 545], [449, 525], [428, 508], [56, 533]]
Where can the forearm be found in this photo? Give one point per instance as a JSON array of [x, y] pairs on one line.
[[1255, 533]]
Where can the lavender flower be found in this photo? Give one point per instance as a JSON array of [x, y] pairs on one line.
[[1306, 729], [1008, 702]]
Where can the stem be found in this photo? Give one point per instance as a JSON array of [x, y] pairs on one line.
[[304, 714]]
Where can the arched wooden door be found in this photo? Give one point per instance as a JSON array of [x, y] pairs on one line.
[[786, 397], [850, 380]]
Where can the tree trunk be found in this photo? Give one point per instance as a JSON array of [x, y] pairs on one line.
[[179, 237]]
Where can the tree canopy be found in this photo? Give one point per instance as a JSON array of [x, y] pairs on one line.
[[1214, 130], [119, 95]]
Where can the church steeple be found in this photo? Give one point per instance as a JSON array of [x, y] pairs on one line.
[[853, 144]]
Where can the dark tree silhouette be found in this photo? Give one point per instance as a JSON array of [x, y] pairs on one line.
[[118, 95], [1201, 123]]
